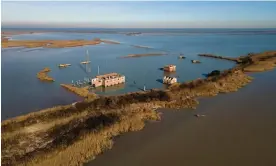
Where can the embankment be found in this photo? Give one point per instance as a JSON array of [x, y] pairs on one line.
[[219, 57], [252, 62], [76, 134], [81, 91]]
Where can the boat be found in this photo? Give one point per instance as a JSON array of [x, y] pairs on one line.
[[87, 58], [85, 62], [196, 61], [181, 57], [64, 65]]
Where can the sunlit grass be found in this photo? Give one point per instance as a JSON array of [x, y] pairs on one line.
[[42, 75]]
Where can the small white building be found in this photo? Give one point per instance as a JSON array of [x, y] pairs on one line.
[[169, 80]]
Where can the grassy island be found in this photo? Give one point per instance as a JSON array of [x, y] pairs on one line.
[[48, 43], [53, 43], [74, 134], [143, 55], [42, 75]]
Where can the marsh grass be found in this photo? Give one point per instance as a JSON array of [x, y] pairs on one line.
[[48, 43], [81, 91], [42, 75]]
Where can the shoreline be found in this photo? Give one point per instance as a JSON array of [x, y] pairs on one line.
[[112, 116], [53, 43]]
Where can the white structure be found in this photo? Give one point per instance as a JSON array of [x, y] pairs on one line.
[[169, 80]]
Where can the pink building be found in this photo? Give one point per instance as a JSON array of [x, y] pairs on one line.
[[106, 80], [169, 68]]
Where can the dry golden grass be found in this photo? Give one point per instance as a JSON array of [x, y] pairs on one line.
[[260, 66], [48, 43], [88, 140], [42, 75], [95, 142], [81, 91]]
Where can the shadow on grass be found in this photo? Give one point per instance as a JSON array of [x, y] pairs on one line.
[[67, 134]]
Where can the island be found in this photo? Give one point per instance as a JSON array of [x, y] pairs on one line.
[[143, 55], [42, 75], [76, 133], [53, 43]]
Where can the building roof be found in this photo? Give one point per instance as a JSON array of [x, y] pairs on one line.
[[169, 65], [106, 76]]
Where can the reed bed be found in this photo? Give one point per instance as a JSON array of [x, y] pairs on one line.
[[42, 75]]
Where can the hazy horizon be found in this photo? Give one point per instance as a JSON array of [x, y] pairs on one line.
[[138, 14]]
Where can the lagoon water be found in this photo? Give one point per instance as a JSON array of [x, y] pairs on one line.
[[22, 92], [238, 130]]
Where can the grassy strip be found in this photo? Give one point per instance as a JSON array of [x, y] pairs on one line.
[[81, 91], [109, 102], [42, 75], [48, 43], [219, 57]]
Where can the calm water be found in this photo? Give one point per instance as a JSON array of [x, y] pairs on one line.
[[238, 130], [23, 93]]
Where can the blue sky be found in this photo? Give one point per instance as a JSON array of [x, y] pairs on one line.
[[141, 14]]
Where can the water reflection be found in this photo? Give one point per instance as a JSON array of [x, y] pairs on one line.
[[109, 88]]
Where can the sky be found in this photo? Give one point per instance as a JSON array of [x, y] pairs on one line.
[[140, 14]]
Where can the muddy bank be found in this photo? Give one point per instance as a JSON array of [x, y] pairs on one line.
[[238, 129]]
